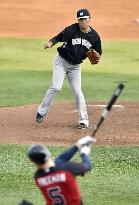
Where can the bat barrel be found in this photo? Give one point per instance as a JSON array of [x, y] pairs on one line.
[[108, 107], [115, 96]]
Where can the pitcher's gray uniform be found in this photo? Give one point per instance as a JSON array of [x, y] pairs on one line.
[[67, 62]]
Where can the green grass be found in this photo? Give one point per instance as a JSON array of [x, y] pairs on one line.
[[25, 75], [26, 71], [114, 179]]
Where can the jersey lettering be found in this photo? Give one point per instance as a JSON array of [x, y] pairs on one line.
[[79, 41], [45, 181], [86, 43], [76, 41]]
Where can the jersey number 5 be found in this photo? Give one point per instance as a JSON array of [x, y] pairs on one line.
[[55, 195]]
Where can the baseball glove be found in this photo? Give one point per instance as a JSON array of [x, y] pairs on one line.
[[25, 202], [93, 56]]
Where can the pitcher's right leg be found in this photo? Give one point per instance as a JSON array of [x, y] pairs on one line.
[[57, 82]]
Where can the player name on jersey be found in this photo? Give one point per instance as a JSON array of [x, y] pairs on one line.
[[80, 41], [45, 181]]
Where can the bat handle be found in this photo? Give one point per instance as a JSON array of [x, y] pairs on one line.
[[97, 126]]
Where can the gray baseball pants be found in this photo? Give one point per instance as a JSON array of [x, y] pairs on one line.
[[61, 68]]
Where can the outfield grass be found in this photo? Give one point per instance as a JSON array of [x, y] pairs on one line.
[[26, 70], [113, 181]]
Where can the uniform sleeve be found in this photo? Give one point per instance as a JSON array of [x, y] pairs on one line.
[[67, 155], [79, 168], [64, 35], [58, 38], [97, 46], [86, 161]]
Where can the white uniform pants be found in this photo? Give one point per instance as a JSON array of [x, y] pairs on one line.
[[60, 69]]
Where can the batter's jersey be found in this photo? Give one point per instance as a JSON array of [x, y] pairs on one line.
[[77, 43], [58, 184], [59, 188]]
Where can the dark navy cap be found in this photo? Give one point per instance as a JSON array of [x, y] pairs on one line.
[[39, 153], [83, 13]]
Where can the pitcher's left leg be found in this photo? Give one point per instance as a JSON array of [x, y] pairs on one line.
[[74, 78]]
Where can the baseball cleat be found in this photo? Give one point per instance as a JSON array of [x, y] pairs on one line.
[[39, 118], [82, 126]]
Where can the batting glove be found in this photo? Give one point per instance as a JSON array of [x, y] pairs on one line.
[[87, 140], [85, 149]]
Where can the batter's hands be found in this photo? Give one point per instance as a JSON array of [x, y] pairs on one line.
[[48, 45], [85, 144], [87, 140], [85, 149]]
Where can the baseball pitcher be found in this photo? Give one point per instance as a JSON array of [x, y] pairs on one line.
[[80, 41]]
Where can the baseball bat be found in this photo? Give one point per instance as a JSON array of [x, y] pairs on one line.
[[108, 107]]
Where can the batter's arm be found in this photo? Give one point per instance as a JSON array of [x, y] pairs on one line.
[[79, 168], [67, 155]]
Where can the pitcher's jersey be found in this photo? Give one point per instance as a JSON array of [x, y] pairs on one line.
[[77, 43]]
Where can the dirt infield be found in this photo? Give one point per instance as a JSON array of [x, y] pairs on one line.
[[41, 19], [17, 125]]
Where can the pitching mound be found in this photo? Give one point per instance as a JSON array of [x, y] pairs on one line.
[[60, 127]]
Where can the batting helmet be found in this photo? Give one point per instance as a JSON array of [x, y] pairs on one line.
[[38, 153]]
